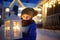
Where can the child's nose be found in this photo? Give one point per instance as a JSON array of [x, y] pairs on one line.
[[27, 17]]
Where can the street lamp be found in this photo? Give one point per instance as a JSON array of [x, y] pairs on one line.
[[12, 27], [50, 5], [7, 10], [58, 2], [19, 14]]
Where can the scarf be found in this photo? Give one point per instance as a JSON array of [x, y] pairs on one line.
[[26, 22]]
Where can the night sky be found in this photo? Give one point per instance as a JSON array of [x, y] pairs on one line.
[[30, 1], [26, 3]]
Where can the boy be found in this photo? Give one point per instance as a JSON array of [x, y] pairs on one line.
[[29, 26]]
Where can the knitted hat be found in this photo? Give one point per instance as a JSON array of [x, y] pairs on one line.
[[29, 11]]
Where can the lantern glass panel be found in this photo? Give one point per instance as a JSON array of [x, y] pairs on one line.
[[16, 28], [7, 29]]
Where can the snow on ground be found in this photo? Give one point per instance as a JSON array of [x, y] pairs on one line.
[[42, 34]]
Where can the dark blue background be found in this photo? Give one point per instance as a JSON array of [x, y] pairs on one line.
[[30, 1]]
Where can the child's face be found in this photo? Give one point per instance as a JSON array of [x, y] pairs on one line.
[[26, 17]]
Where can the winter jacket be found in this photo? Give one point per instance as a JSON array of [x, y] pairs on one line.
[[29, 32]]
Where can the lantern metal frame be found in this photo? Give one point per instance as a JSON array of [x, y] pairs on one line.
[[11, 32]]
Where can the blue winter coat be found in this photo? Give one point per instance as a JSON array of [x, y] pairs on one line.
[[31, 33]]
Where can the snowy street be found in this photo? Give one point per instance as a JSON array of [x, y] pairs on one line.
[[42, 34]]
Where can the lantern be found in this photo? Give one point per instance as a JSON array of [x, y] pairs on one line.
[[12, 27]]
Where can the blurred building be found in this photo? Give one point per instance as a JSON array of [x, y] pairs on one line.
[[51, 13], [1, 7]]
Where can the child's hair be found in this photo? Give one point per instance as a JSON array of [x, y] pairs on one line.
[[29, 11]]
